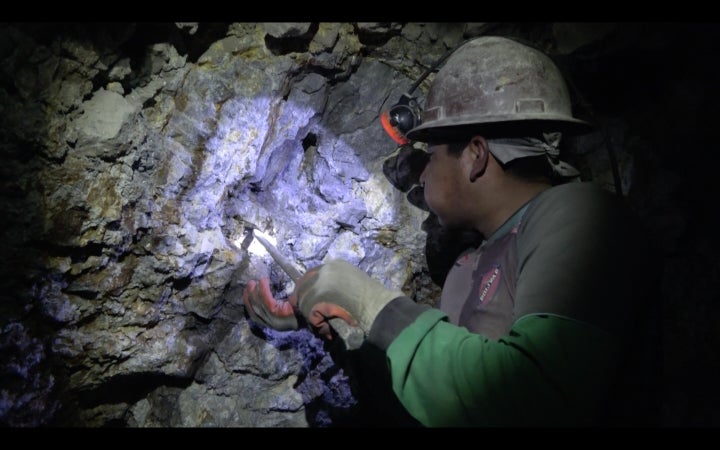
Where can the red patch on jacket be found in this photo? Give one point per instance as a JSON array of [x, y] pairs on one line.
[[489, 283]]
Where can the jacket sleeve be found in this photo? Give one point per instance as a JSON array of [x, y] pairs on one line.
[[549, 370]]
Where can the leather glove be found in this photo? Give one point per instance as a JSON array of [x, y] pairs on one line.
[[265, 309], [339, 289]]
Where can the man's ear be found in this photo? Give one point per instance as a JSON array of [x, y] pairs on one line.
[[479, 152]]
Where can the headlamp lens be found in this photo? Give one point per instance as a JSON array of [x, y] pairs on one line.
[[401, 118]]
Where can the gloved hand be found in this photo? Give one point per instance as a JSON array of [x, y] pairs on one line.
[[265, 309], [339, 289]]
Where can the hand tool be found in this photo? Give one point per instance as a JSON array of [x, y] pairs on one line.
[[353, 337]]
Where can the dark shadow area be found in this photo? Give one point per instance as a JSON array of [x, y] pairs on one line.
[[660, 82], [24, 331], [121, 389], [283, 45], [372, 39], [377, 406], [129, 388]]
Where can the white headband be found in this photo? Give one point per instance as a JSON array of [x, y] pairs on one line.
[[507, 150]]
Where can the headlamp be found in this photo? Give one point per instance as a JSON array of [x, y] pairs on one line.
[[402, 117]]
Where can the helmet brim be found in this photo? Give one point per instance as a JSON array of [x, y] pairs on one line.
[[498, 127]]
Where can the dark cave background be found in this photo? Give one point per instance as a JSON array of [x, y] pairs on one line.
[[657, 80], [651, 88]]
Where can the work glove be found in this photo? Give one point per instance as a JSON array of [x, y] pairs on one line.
[[339, 289], [265, 309]]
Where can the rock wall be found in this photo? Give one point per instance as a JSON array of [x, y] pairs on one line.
[[133, 169]]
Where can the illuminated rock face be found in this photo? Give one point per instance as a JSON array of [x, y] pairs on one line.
[[138, 163]]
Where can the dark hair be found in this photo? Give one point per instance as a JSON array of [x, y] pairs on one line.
[[456, 148]]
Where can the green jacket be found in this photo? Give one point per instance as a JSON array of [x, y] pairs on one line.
[[533, 325]]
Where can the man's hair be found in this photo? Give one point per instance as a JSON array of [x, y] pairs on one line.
[[456, 148]]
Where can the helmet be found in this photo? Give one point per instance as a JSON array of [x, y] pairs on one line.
[[495, 85]]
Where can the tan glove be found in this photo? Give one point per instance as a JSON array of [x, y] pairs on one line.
[[339, 289]]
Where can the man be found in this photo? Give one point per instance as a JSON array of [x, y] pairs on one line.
[[533, 325]]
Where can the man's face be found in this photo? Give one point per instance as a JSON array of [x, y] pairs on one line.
[[444, 180]]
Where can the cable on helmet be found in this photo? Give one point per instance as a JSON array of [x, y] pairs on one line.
[[404, 115]]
